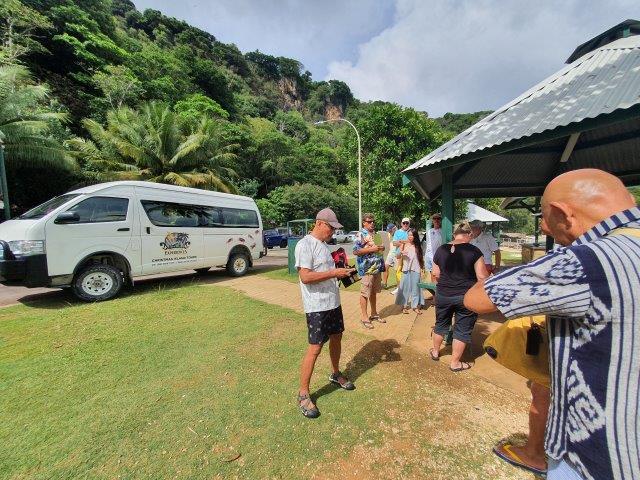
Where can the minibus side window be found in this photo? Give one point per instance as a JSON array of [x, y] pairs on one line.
[[238, 217], [166, 214], [101, 209], [210, 217]]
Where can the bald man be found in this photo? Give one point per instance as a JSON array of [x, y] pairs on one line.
[[590, 290]]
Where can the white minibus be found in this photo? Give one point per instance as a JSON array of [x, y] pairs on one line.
[[96, 239]]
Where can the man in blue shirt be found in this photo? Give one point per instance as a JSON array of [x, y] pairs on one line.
[[399, 238], [588, 288], [370, 265]]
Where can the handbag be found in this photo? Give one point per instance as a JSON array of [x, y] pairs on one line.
[[399, 270], [522, 346]]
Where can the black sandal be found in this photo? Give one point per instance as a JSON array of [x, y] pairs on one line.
[[335, 378], [463, 366], [434, 357], [307, 412]]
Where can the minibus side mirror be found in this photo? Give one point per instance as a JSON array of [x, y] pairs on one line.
[[67, 217]]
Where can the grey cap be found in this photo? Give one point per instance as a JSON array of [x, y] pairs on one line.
[[328, 215]]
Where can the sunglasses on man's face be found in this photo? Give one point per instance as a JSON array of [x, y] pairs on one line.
[[329, 225], [405, 223], [369, 221]]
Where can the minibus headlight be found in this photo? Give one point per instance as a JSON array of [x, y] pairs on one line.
[[27, 247]]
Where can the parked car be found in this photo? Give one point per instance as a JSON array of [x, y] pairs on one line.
[[276, 237], [96, 239], [339, 236], [352, 236]]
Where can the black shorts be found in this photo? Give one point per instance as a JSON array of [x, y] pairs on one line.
[[323, 324], [465, 319]]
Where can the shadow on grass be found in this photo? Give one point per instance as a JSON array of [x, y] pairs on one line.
[[370, 355], [65, 298]]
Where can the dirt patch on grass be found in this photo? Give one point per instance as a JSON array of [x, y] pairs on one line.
[[439, 425]]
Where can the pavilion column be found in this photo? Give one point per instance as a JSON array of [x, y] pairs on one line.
[[447, 204]]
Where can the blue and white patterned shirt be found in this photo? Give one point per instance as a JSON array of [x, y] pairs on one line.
[[591, 292]]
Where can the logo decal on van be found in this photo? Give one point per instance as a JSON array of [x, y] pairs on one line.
[[175, 240]]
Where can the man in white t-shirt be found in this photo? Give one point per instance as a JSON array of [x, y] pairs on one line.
[[433, 239], [321, 301], [487, 245]]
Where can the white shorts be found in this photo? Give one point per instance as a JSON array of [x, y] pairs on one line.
[[391, 258]]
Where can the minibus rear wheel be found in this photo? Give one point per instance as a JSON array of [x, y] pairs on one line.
[[97, 282], [238, 264]]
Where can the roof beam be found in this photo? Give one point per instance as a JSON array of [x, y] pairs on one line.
[[600, 142], [568, 149]]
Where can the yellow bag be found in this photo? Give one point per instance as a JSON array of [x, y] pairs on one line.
[[399, 271], [507, 346]]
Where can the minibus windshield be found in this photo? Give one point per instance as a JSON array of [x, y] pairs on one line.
[[47, 207]]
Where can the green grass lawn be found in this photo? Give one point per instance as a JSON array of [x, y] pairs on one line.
[[200, 382], [511, 258]]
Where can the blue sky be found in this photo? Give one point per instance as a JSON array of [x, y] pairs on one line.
[[433, 55]]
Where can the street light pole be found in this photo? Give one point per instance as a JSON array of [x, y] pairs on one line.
[[3, 184], [359, 163]]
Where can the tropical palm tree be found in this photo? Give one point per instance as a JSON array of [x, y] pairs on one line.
[[25, 122], [150, 145]]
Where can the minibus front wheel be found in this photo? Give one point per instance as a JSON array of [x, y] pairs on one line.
[[97, 282]]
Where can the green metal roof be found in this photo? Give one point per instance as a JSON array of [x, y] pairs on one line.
[[585, 115]]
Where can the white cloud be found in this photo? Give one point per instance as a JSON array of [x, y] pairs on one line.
[[471, 55], [312, 32]]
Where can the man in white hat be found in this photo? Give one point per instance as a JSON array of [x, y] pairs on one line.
[[433, 238], [321, 301], [399, 237], [487, 245]]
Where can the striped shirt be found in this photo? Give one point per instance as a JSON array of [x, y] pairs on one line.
[[591, 292]]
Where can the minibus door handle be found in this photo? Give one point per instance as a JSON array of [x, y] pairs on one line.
[[124, 229], [149, 230]]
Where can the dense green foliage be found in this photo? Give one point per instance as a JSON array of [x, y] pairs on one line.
[[459, 122], [138, 95]]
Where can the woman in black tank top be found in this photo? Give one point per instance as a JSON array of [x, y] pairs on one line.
[[457, 266]]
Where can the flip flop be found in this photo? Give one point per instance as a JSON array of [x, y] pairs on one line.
[[462, 367], [377, 318], [504, 452], [433, 357], [367, 324]]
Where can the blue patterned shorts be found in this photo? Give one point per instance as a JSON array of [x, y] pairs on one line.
[[323, 324]]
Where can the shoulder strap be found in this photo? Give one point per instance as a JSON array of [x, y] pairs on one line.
[[634, 232]]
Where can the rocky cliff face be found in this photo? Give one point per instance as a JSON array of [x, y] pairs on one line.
[[291, 98], [333, 112]]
